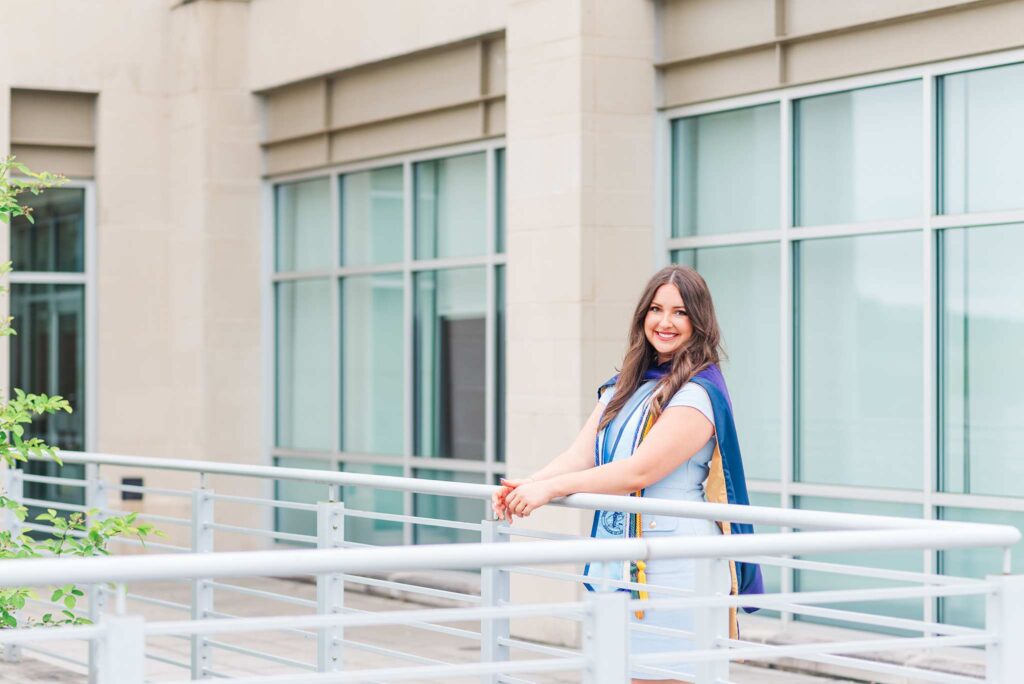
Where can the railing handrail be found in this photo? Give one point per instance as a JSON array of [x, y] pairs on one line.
[[38, 572], [758, 515]]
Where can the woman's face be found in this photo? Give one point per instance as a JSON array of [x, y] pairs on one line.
[[667, 324]]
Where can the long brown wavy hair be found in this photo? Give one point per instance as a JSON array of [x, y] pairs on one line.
[[700, 351]]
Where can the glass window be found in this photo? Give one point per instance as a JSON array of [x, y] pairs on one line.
[[447, 508], [297, 491], [56, 241], [373, 355], [304, 376], [982, 140], [859, 341], [772, 573], [905, 560], [744, 283], [303, 225], [982, 335], [970, 610], [451, 207], [719, 157], [499, 194], [374, 500], [859, 155], [450, 368], [371, 217], [499, 371]]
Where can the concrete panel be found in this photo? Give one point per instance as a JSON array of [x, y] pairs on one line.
[[695, 27], [809, 16], [42, 117], [495, 123], [295, 110], [306, 153], [732, 75], [494, 67], [445, 127], [73, 162]]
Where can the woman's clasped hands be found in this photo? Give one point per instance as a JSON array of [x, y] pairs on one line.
[[520, 498]]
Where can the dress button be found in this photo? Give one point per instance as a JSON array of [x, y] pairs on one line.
[[653, 524]]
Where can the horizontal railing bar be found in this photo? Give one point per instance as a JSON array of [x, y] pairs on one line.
[[663, 631], [305, 634], [50, 479], [471, 556], [168, 661], [273, 503], [261, 655], [509, 531], [537, 648], [270, 534], [163, 603], [146, 489], [24, 635], [412, 588], [878, 620], [59, 656], [118, 540], [390, 652], [260, 593], [414, 519], [166, 519], [514, 680], [798, 518], [56, 505], [860, 570], [618, 584], [440, 629]]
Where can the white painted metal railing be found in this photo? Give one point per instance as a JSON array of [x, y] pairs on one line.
[[121, 642]]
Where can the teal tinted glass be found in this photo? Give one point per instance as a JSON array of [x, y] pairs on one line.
[[56, 241], [499, 195], [296, 491], [373, 364], [981, 308], [979, 563], [982, 140], [499, 363], [859, 344], [744, 284], [373, 500], [451, 207], [371, 217], [447, 508], [303, 365], [909, 560], [450, 363], [719, 157], [303, 225], [859, 155]]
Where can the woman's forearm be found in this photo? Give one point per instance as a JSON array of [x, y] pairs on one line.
[[620, 477], [566, 462]]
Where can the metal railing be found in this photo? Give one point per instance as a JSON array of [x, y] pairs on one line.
[[121, 646]]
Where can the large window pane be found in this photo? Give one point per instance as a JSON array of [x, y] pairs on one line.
[[447, 508], [373, 353], [982, 376], [970, 610], [858, 155], [744, 283], [859, 387], [304, 381], [906, 560], [450, 353], [303, 225], [499, 195], [371, 217], [982, 140], [297, 491], [499, 363], [451, 207], [719, 157], [373, 500], [56, 241]]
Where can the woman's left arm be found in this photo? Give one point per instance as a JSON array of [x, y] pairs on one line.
[[678, 434]]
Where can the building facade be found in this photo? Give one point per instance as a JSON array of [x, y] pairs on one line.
[[405, 237]]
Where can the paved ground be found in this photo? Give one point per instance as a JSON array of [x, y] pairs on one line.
[[417, 644]]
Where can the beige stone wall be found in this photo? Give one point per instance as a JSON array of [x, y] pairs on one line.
[[719, 48]]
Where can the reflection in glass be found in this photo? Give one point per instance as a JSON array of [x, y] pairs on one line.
[[451, 207], [303, 371], [969, 611], [981, 378], [371, 217], [718, 158], [447, 508], [372, 352], [374, 500], [744, 283], [499, 200], [303, 225], [450, 370], [858, 155], [905, 560], [982, 140], [56, 241], [859, 341], [296, 491]]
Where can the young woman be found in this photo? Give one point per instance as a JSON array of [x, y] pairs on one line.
[[662, 428]]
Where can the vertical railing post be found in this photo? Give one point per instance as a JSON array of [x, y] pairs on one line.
[[14, 489], [202, 590], [494, 592], [606, 638], [95, 498], [711, 623], [121, 650], [1005, 619], [330, 587]]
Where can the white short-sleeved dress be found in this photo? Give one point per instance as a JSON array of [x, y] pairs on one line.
[[685, 483]]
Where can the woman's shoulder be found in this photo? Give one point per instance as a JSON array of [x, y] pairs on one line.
[[693, 395]]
